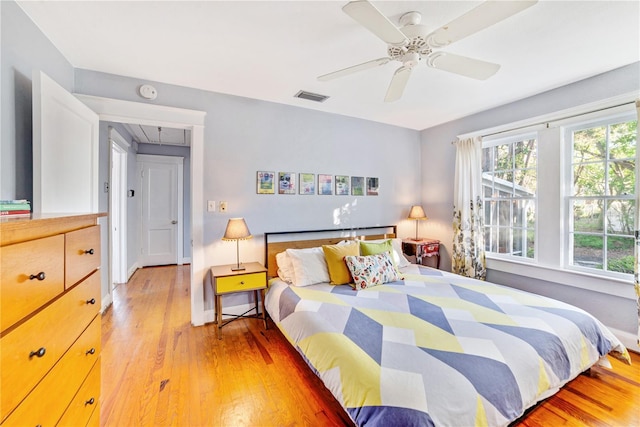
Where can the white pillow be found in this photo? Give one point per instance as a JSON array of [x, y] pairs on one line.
[[285, 267], [398, 255], [309, 266]]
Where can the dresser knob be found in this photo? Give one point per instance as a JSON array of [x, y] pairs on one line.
[[90, 401], [242, 282], [38, 353], [91, 351], [91, 301], [39, 276], [90, 251]]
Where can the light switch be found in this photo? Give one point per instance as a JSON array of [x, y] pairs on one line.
[[223, 206], [211, 206]]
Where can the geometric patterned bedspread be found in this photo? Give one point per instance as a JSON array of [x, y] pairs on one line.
[[437, 348]]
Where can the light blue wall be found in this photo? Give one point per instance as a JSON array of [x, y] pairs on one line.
[[243, 136], [23, 48], [438, 179]]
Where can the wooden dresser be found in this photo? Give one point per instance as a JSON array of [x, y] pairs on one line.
[[49, 320]]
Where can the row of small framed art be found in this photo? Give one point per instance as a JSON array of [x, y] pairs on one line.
[[306, 183]]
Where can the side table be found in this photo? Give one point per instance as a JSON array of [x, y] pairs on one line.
[[421, 249], [225, 281]]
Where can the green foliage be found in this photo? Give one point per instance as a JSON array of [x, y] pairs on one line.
[[622, 265]]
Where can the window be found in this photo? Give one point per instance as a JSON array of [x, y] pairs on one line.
[[601, 194], [509, 183]]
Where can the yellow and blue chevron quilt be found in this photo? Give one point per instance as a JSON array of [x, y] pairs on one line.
[[437, 349]]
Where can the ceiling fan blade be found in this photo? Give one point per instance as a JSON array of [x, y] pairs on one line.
[[465, 66], [354, 69], [373, 20], [478, 18], [398, 83]]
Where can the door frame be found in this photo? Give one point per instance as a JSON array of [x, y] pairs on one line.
[[118, 208], [119, 111], [178, 162]]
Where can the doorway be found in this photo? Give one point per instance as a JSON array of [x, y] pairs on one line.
[[161, 218], [120, 111], [118, 208]]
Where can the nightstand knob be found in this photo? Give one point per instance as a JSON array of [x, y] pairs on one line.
[[242, 282]]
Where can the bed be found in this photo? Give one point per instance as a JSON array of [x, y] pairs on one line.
[[428, 347]]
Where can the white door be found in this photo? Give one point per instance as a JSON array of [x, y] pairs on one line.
[[65, 150], [161, 216], [118, 207]]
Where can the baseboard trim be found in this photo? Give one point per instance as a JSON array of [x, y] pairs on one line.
[[627, 339], [132, 270], [107, 300]]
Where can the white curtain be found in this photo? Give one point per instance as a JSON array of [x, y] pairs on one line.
[[468, 239], [636, 273]]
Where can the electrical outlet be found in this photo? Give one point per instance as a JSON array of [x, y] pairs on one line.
[[211, 206], [223, 206]]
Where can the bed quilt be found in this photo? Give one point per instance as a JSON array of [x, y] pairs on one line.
[[437, 349]]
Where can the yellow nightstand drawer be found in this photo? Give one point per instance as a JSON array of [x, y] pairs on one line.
[[241, 282]]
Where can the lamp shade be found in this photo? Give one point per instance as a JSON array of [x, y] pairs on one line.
[[236, 230], [417, 213]]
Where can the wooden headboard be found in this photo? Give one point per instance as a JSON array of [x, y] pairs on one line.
[[272, 247]]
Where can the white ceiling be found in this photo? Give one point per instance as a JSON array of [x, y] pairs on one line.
[[143, 134], [269, 50]]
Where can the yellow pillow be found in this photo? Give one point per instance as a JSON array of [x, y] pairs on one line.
[[334, 254]]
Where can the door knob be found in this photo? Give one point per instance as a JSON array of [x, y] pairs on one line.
[[174, 222]]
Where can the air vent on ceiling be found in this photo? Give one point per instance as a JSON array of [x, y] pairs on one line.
[[311, 96]]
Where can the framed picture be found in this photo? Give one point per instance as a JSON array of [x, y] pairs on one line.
[[342, 185], [266, 182], [286, 183], [372, 186], [357, 186], [325, 184], [307, 183]]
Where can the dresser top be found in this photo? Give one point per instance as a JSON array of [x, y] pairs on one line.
[[21, 229]]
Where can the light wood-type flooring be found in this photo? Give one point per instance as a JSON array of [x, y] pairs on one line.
[[158, 370]]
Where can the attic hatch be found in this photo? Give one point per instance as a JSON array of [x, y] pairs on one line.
[[310, 96], [159, 135]]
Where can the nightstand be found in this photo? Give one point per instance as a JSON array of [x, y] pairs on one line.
[[422, 250], [225, 281]]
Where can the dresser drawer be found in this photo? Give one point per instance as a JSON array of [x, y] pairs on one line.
[[85, 402], [82, 254], [53, 329], [21, 294], [242, 282], [42, 407]]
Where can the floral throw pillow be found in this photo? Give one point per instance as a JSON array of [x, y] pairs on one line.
[[371, 270]]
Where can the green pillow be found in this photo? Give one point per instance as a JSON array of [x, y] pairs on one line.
[[378, 248]]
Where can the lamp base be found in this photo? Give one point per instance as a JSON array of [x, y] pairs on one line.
[[238, 268]]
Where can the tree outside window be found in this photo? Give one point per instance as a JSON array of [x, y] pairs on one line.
[[602, 197], [509, 182]]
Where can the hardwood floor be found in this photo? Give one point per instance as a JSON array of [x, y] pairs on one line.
[[158, 370]]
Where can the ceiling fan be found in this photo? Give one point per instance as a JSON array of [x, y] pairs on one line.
[[413, 43]]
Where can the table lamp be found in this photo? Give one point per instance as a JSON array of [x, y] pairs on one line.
[[237, 230], [417, 213]]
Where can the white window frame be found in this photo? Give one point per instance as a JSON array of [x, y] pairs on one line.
[[550, 262], [511, 139], [596, 120]]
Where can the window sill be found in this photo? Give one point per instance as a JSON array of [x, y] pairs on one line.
[[592, 282]]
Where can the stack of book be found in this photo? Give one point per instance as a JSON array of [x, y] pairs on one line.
[[15, 207]]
